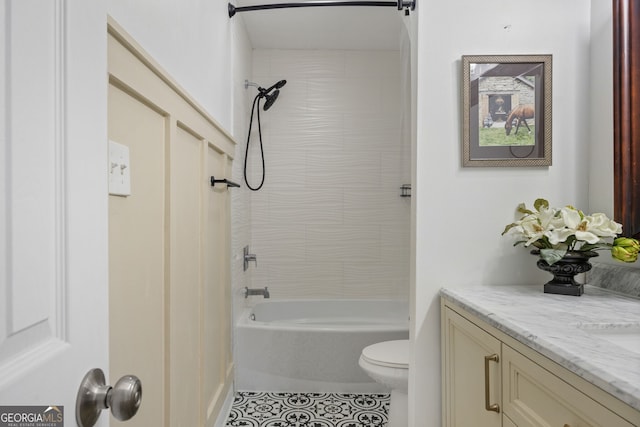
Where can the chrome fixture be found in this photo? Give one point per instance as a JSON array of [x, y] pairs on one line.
[[249, 257], [405, 190], [94, 395], [264, 292]]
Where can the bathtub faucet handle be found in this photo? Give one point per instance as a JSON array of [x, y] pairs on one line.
[[248, 257], [266, 292]]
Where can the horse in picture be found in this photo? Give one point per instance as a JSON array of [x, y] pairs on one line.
[[520, 114]]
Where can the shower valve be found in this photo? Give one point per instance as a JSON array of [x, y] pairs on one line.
[[249, 257]]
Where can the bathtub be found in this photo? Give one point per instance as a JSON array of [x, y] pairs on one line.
[[313, 345]]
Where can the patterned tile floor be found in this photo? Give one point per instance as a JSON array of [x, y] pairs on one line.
[[264, 409]]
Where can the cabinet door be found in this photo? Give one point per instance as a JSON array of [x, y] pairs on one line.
[[534, 397], [506, 422], [471, 377]]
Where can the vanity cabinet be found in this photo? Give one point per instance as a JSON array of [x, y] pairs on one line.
[[490, 379]]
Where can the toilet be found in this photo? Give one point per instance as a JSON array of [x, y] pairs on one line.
[[388, 364]]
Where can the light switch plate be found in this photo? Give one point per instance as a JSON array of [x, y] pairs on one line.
[[119, 170]]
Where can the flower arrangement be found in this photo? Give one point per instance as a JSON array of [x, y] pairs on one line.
[[558, 231]]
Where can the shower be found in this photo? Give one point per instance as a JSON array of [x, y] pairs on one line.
[[270, 95]]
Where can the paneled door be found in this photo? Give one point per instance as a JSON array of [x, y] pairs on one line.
[[53, 203]]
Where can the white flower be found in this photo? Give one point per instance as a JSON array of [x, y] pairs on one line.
[[530, 228], [579, 225], [588, 228], [602, 226], [568, 227], [556, 231]]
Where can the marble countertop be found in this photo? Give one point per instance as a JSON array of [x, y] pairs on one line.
[[565, 329]]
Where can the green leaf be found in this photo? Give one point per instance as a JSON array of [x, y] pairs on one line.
[[543, 243], [540, 203], [551, 256], [523, 209], [592, 246], [507, 228]]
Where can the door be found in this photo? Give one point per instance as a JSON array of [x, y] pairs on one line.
[[53, 201]]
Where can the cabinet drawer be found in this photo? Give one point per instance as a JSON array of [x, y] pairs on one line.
[[532, 396]]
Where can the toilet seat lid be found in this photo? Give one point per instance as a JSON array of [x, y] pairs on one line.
[[394, 354]]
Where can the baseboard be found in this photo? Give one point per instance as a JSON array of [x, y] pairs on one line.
[[226, 407]]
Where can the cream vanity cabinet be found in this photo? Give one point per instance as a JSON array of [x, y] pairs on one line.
[[490, 379]]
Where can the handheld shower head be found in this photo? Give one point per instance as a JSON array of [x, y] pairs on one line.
[[270, 99]]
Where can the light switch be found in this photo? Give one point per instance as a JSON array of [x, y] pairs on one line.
[[119, 170]]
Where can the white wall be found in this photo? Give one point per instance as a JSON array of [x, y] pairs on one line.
[[460, 212], [601, 123], [191, 40], [329, 220]]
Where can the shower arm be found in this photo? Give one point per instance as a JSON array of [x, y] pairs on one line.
[[265, 92], [247, 83], [400, 4]]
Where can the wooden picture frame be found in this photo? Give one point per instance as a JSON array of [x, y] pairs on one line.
[[626, 126], [506, 110]]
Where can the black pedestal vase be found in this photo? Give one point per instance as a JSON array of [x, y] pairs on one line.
[[564, 272]]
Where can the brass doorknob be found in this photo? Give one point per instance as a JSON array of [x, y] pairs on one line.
[[94, 395]]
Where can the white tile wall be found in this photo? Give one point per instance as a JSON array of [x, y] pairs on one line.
[[240, 198], [329, 221]]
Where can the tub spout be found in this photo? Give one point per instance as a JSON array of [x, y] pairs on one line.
[[264, 292]]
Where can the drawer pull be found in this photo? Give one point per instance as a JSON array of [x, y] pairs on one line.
[[488, 406]]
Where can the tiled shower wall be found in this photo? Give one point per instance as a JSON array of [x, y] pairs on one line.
[[329, 220]]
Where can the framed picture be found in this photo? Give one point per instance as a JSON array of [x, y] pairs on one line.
[[506, 110]]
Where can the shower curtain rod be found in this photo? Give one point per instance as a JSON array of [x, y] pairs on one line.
[[400, 4]]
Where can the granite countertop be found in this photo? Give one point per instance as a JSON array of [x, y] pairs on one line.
[[566, 330]]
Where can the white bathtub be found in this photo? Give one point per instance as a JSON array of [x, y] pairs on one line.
[[313, 345]]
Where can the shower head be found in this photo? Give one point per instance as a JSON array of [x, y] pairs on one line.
[[278, 85], [270, 99]]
